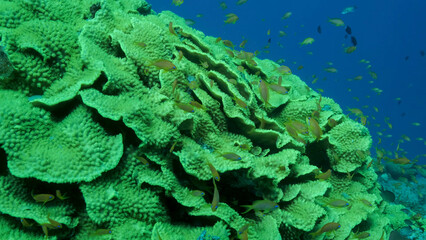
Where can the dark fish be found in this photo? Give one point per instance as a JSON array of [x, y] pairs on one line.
[[348, 30], [408, 222], [346, 36], [319, 29], [388, 196], [406, 58], [353, 40], [405, 210], [269, 40], [422, 53]]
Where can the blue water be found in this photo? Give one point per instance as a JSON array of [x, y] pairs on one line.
[[386, 31]]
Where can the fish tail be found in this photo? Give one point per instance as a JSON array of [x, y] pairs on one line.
[[248, 210]]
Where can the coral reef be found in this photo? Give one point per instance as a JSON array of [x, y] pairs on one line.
[[129, 115]]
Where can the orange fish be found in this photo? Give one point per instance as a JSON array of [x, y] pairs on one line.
[[231, 156], [401, 161], [261, 205], [329, 227], [60, 196], [231, 18], [264, 91], [186, 107], [214, 172], [215, 202], [164, 64], [44, 198], [228, 43], [243, 43], [314, 128], [284, 70], [171, 29], [324, 176]]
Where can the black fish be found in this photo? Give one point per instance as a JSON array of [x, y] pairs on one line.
[[353, 40], [319, 29], [406, 58], [422, 53], [269, 40], [348, 30]]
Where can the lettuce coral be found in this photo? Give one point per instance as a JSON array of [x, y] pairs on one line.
[[87, 103]]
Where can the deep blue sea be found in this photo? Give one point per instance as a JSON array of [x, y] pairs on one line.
[[390, 38]]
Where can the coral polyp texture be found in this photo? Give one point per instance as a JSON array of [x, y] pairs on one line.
[[117, 122]]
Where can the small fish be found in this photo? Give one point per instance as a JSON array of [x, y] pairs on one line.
[[401, 161], [231, 156], [261, 205], [197, 105], [282, 34], [415, 124], [277, 88], [283, 70], [331, 122], [244, 228], [338, 203], [228, 43], [223, 5], [25, 223], [319, 29], [140, 44], [177, 2], [298, 126], [54, 223], [362, 235], [366, 203], [164, 64], [143, 160], [101, 232], [215, 174], [336, 22], [307, 41], [172, 147], [300, 67], [231, 18], [189, 22], [186, 107], [357, 78], [324, 176], [241, 2], [286, 15], [350, 9], [239, 102], [197, 193], [180, 55], [44, 198], [354, 41], [350, 49], [348, 30], [60, 196], [171, 29], [269, 33], [215, 201], [243, 43], [264, 91], [330, 70], [314, 128], [329, 227], [422, 53], [373, 74]]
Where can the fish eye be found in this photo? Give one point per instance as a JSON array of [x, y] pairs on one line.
[[174, 67]]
